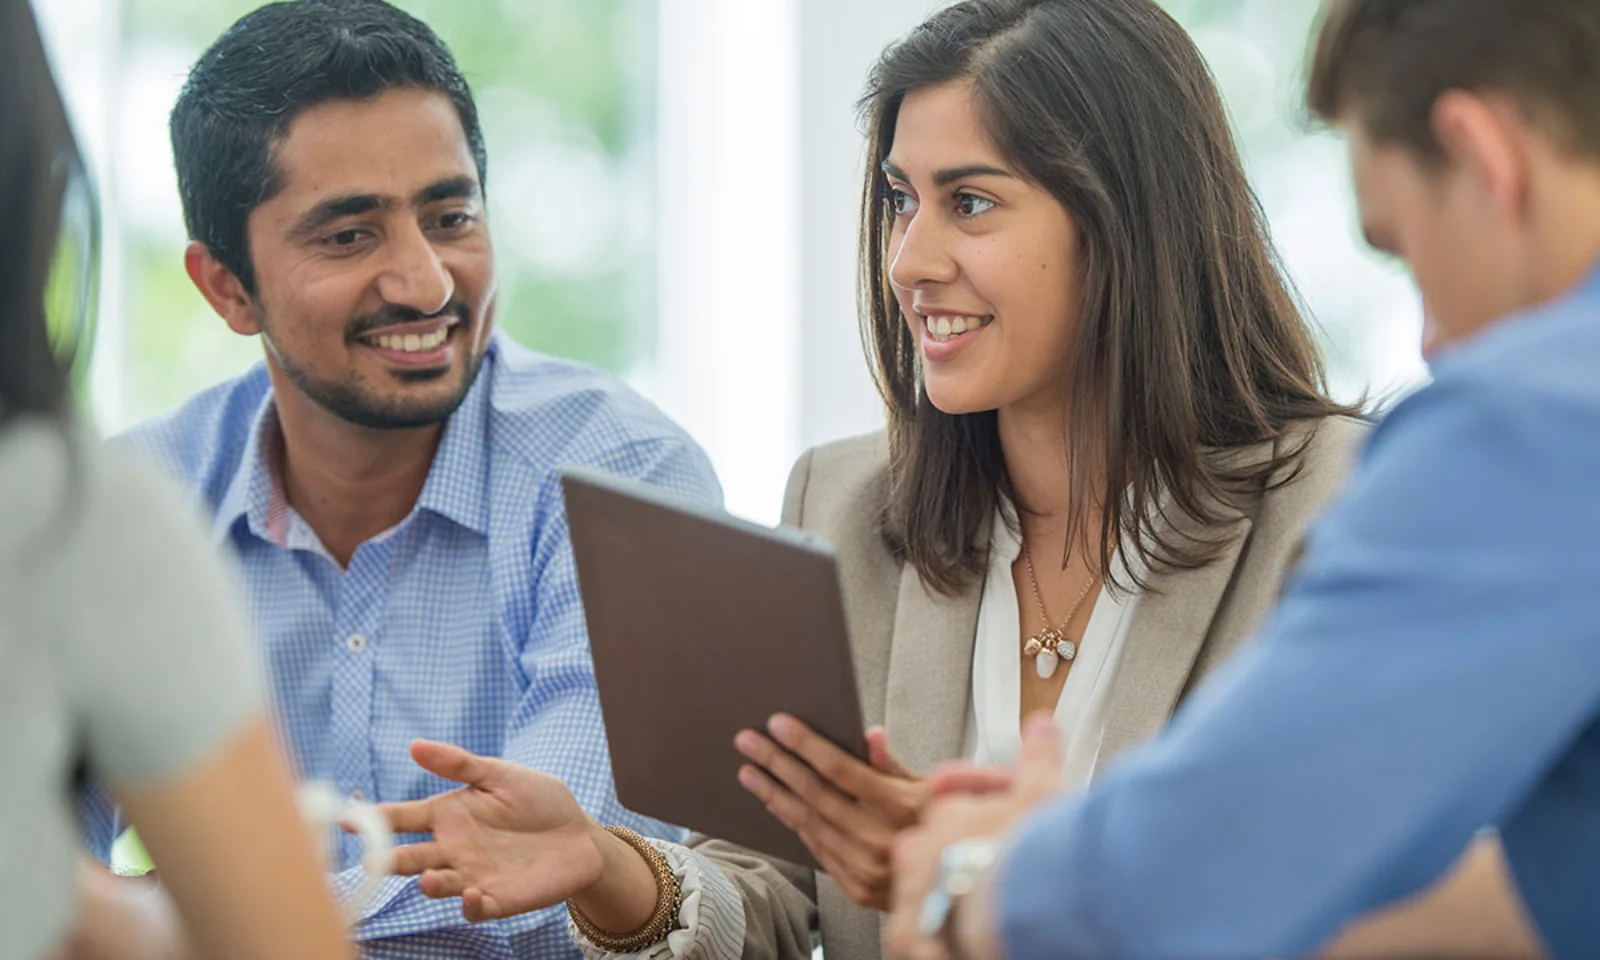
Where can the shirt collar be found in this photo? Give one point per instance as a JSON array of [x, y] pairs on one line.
[[458, 483], [250, 491], [456, 488]]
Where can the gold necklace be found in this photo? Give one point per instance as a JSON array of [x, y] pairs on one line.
[[1050, 645]]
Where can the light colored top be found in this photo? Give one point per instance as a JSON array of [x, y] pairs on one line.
[[462, 623], [119, 648], [994, 723], [1434, 667]]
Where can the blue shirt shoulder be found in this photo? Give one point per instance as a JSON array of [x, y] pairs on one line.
[[201, 444], [1434, 669], [552, 412]]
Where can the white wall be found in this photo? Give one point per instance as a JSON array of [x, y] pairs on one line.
[[758, 353], [839, 41]]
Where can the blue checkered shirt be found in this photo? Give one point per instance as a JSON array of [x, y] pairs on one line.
[[460, 624]]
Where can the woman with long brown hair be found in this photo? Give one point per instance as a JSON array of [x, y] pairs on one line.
[[1107, 431], [120, 657]]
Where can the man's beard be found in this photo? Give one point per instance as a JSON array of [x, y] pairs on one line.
[[352, 399]]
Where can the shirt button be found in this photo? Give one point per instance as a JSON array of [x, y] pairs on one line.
[[355, 643]]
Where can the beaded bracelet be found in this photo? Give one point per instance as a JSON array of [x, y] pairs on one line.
[[663, 920]]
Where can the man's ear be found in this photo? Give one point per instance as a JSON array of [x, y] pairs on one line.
[[221, 288], [1483, 137]]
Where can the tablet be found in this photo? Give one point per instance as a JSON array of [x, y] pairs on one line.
[[701, 626]]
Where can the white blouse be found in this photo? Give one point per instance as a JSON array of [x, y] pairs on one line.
[[994, 722]]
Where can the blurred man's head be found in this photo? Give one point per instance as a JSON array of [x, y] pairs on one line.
[[332, 175], [1474, 131]]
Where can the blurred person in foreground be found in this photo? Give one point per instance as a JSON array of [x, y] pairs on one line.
[[120, 655], [1436, 666]]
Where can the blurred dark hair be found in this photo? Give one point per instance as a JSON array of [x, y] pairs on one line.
[[269, 67], [38, 160], [1190, 344], [1388, 61]]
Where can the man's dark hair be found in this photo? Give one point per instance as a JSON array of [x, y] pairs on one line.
[[268, 68], [1385, 64]]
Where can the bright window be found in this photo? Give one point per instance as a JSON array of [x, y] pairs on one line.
[[564, 89]]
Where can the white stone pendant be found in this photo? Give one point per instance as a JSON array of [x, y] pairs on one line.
[[1048, 650]]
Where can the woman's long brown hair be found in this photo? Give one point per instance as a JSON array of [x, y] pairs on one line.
[[37, 160], [1190, 344]]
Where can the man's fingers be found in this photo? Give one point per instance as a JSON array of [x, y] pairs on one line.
[[912, 878], [442, 884], [1039, 763], [452, 763], [969, 779], [478, 906], [413, 816], [414, 858]]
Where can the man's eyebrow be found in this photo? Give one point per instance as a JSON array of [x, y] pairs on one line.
[[450, 188], [337, 208], [353, 204]]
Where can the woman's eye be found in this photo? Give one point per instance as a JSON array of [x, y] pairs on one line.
[[901, 203], [971, 205]]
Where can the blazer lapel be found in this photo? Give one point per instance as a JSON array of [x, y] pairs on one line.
[[930, 672], [1171, 619]]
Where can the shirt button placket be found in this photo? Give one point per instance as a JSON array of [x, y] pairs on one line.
[[361, 601]]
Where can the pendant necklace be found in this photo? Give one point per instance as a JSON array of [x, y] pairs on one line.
[[1050, 645]]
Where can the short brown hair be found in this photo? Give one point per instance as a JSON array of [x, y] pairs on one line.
[[1387, 62]]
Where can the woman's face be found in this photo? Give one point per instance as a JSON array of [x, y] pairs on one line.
[[984, 263]]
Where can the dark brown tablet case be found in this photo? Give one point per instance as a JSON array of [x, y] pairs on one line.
[[702, 625]]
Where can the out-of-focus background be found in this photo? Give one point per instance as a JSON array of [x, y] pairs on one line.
[[672, 190]]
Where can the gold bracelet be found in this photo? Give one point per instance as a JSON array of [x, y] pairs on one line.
[[663, 920]]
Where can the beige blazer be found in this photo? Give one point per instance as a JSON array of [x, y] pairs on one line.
[[914, 647]]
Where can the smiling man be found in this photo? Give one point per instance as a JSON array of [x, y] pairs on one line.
[[388, 477]]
